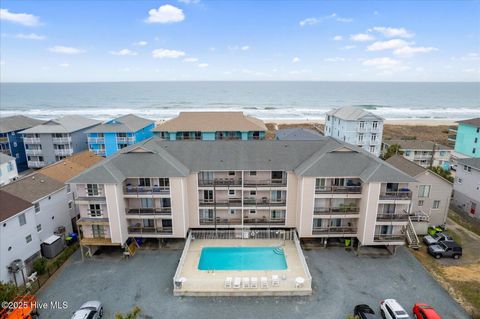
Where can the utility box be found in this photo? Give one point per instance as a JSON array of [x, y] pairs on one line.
[[52, 246]]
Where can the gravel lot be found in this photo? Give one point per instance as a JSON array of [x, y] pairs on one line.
[[341, 280]]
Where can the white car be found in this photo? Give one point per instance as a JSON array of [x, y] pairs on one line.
[[89, 310], [391, 309]]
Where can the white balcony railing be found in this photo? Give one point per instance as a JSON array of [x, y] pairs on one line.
[[360, 142], [31, 140], [33, 152], [100, 152], [62, 140], [96, 140], [36, 164], [63, 152], [125, 139]]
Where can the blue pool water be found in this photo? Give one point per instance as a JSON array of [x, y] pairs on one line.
[[242, 258]]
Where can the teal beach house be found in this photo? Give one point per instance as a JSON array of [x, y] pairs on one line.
[[467, 137]]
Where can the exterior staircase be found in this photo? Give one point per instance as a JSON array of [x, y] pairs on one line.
[[412, 238]]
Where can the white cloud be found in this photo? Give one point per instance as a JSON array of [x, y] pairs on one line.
[[140, 43], [362, 37], [245, 48], [387, 45], [344, 20], [191, 60], [309, 21], [65, 50], [382, 63], [25, 19], [64, 65], [410, 51], [472, 56], [295, 60], [338, 38], [166, 53], [123, 52], [348, 47], [203, 65], [30, 36], [334, 59], [394, 32], [165, 14]]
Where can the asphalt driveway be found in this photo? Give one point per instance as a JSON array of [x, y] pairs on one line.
[[340, 281]]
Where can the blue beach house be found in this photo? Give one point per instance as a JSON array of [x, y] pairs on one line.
[[467, 137], [107, 138], [211, 126], [11, 142]]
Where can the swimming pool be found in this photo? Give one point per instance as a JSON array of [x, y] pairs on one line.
[[242, 258]]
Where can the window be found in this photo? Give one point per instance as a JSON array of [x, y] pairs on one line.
[[68, 188], [208, 196], [98, 231], [459, 180], [232, 211], [22, 219], [92, 189], [164, 182], [206, 213], [473, 151], [372, 149], [165, 202], [37, 207], [144, 182], [70, 205], [467, 168], [375, 125], [10, 167], [231, 173], [320, 184], [28, 238], [39, 227], [476, 140], [436, 204], [94, 210], [407, 153], [373, 138], [253, 193], [146, 202], [420, 203], [231, 192], [253, 173], [360, 137], [361, 125], [423, 190], [252, 211], [277, 214]]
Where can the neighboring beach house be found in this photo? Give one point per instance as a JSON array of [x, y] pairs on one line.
[[11, 142], [430, 198], [324, 189], [297, 134], [210, 126], [466, 189], [423, 153], [36, 207], [466, 137], [355, 126], [107, 138], [56, 139], [8, 169]]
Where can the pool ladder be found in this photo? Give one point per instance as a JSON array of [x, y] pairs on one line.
[[278, 251]]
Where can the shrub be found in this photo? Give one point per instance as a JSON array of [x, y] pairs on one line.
[[40, 265], [7, 292]]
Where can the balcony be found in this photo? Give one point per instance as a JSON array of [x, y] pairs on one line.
[[388, 237], [335, 210], [160, 211], [393, 217], [62, 140], [338, 190], [3, 139], [220, 221], [139, 230], [420, 157], [31, 140], [360, 142], [36, 164], [361, 128], [34, 152], [98, 241], [147, 190], [263, 221], [452, 138], [264, 202], [126, 140], [100, 152], [96, 140], [266, 183], [400, 195], [231, 202], [220, 182], [63, 152], [334, 230]]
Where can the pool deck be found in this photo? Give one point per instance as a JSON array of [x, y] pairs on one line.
[[211, 283]]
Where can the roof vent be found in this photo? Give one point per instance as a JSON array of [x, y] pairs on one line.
[[42, 181]]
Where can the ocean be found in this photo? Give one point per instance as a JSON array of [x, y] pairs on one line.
[[266, 100]]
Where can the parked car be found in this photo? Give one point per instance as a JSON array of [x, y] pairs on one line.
[[424, 311], [89, 310], [438, 237], [364, 312], [445, 249], [391, 309]]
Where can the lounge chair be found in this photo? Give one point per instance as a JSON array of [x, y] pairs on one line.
[[246, 282], [228, 282], [254, 282], [237, 282], [275, 281], [264, 282]]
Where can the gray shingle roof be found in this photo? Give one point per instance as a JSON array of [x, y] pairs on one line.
[[11, 205], [4, 158], [351, 113], [405, 165], [325, 157], [474, 121], [66, 124], [129, 123], [33, 187], [17, 122], [297, 134], [472, 162], [417, 145]]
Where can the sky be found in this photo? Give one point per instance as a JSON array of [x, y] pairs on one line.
[[200, 40]]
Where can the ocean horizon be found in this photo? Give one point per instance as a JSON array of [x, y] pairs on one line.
[[268, 100]]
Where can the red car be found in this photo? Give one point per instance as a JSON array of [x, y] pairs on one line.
[[424, 311]]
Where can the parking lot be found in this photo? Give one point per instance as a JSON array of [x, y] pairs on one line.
[[340, 281]]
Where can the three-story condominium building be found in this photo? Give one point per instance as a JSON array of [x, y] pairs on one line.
[[355, 126], [466, 188], [8, 169], [211, 126], [423, 153], [56, 139], [11, 142], [466, 137], [323, 189], [107, 138]]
